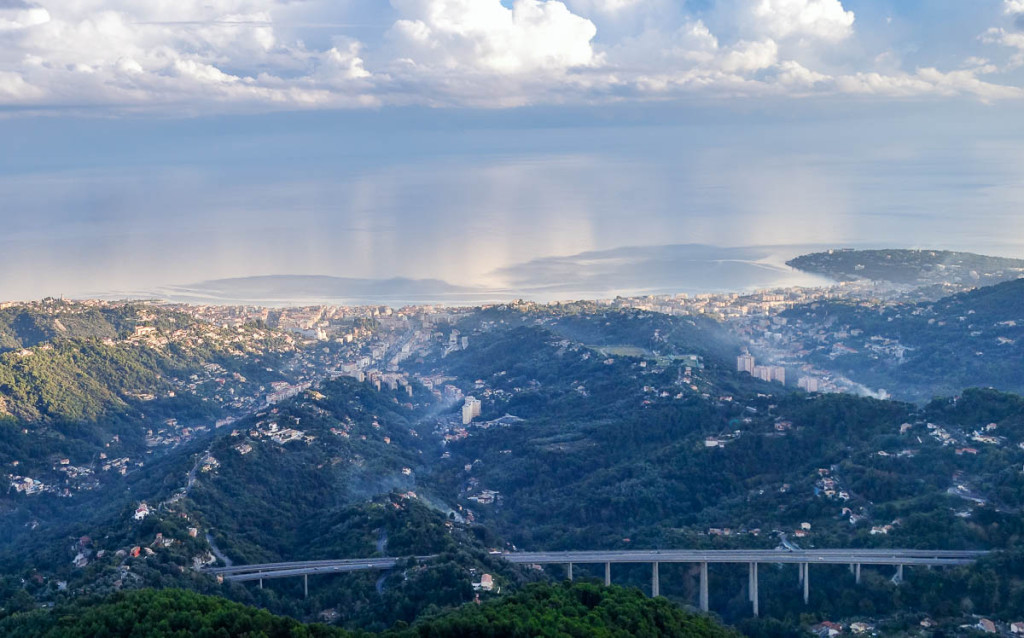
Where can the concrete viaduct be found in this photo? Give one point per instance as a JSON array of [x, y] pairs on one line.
[[855, 558]]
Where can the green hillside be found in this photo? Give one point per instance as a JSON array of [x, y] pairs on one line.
[[542, 610], [973, 339], [598, 430], [918, 267]]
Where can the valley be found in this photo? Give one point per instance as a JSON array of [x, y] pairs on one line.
[[143, 443]]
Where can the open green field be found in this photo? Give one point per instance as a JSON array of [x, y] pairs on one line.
[[624, 351]]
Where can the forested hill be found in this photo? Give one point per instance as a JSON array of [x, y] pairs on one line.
[[923, 350], [598, 429], [68, 362], [92, 392], [578, 611], [24, 325], [916, 267]]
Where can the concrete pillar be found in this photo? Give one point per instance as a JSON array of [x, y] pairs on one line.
[[655, 582], [753, 594], [607, 574], [899, 573], [800, 570], [704, 587], [807, 583], [305, 585], [750, 582], [857, 573], [261, 581], [570, 572]]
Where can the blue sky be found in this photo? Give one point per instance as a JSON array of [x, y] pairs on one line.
[[148, 144]]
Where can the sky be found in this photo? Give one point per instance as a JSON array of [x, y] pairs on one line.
[[201, 56], [149, 144]]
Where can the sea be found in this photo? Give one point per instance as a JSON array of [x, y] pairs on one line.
[[527, 204]]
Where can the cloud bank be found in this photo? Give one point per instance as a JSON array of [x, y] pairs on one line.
[[193, 57]]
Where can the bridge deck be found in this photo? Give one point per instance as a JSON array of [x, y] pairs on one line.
[[910, 557]]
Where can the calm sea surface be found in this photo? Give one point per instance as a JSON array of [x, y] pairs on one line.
[[100, 207]]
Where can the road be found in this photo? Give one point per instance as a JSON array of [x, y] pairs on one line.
[[934, 558], [823, 556], [216, 551]]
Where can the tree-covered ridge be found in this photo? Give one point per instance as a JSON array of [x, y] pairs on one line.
[[26, 325], [569, 610], [598, 325], [100, 360], [578, 611], [920, 267], [621, 440], [284, 468], [75, 380], [921, 350], [159, 614], [348, 487], [95, 392]]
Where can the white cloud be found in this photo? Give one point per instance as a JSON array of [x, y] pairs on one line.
[[751, 56], [13, 88], [927, 81], [22, 17], [532, 35], [818, 19], [1014, 40], [608, 6], [793, 73], [202, 56], [185, 52]]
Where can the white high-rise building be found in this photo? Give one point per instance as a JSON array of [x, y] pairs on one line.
[[779, 374], [745, 363], [809, 384], [470, 410]]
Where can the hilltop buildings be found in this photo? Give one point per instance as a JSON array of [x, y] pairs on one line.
[[746, 363]]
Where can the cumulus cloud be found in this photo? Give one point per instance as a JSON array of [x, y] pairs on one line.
[[817, 19], [1007, 39], [607, 6], [928, 81], [532, 35], [191, 53], [21, 15], [214, 55], [751, 56]]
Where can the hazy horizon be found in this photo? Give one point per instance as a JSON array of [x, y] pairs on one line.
[[461, 205], [456, 140]]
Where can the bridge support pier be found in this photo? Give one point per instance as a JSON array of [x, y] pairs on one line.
[[856, 573], [899, 574], [607, 574], [570, 572], [704, 587], [807, 582], [800, 571], [305, 585], [754, 598], [655, 581]]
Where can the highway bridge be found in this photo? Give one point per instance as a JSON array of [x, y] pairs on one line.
[[855, 558]]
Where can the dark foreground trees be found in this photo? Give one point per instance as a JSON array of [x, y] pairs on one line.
[[580, 610]]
